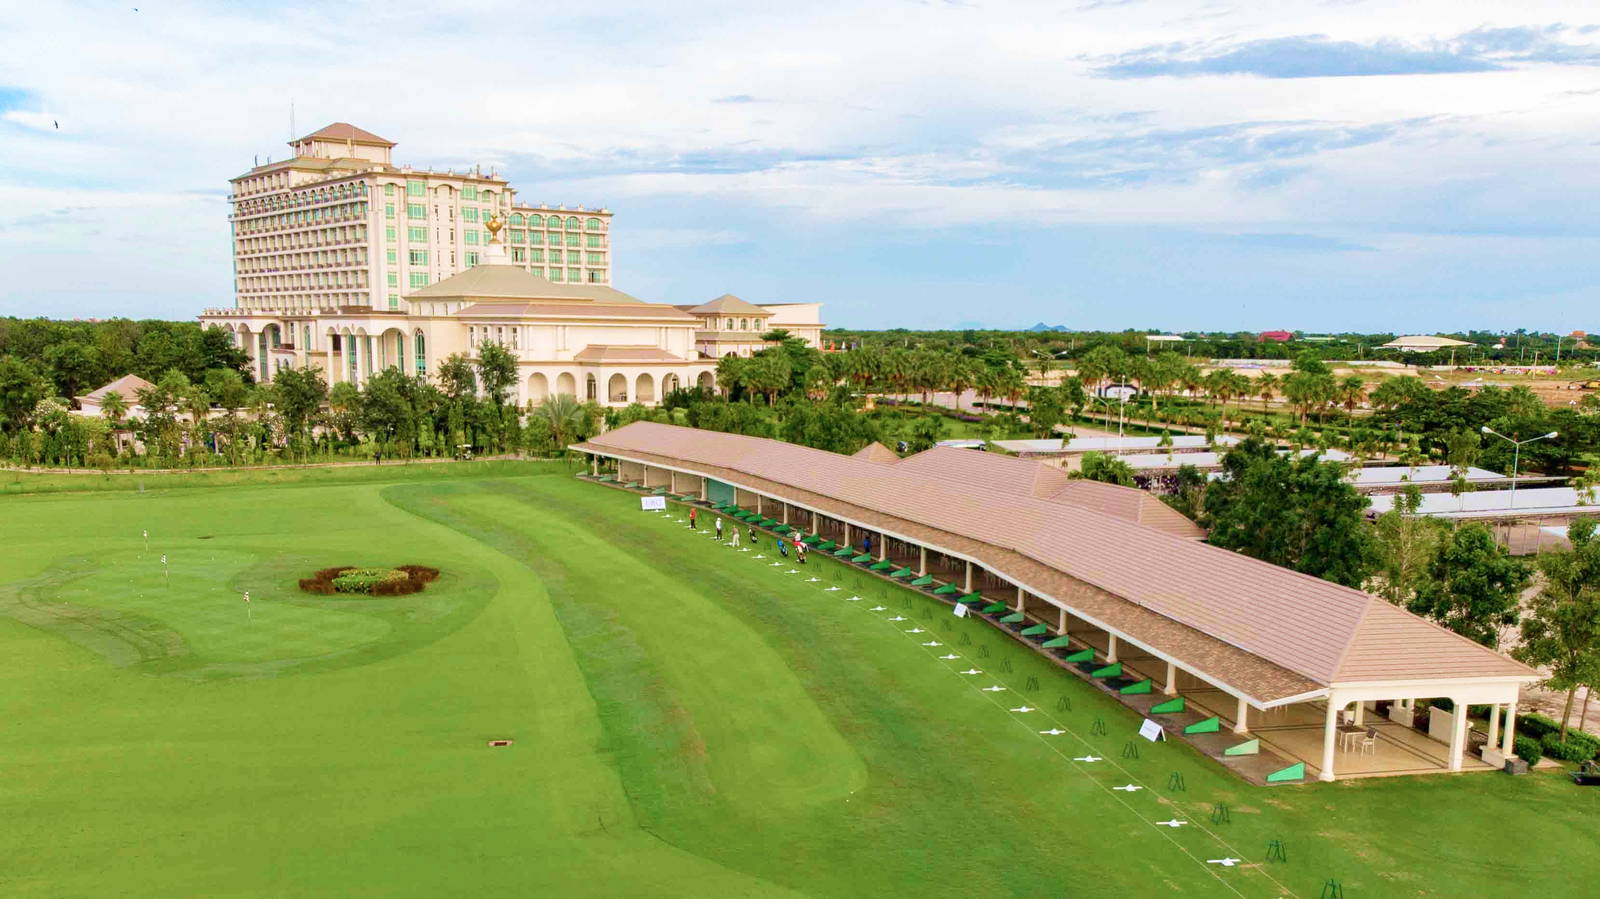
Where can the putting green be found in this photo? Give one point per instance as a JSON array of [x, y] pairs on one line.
[[687, 720]]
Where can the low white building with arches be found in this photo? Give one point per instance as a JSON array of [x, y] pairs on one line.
[[588, 340]]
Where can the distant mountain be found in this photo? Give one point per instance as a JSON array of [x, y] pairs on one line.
[[1044, 327]]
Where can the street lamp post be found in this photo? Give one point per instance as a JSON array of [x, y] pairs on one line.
[[1516, 455], [1122, 405]]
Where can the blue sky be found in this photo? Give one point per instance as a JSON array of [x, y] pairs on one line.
[[1329, 165]]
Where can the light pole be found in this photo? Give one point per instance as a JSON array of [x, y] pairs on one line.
[[1516, 455], [1121, 413]]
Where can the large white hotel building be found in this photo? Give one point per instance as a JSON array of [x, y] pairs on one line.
[[350, 263]]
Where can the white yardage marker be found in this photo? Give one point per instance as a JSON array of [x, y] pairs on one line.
[[1129, 788], [1053, 732], [994, 688], [1173, 823], [1088, 758], [972, 671], [949, 657], [1224, 862], [1023, 709]]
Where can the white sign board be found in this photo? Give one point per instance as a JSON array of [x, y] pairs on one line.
[[1151, 731], [653, 503]]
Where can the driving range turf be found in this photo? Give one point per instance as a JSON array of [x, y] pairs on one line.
[[687, 720]]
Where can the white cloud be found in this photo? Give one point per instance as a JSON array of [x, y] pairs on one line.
[[906, 115]]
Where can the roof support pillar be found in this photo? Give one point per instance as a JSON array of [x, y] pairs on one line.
[[672, 481], [1494, 725], [883, 547], [1241, 718], [702, 488], [969, 579], [1458, 733], [1171, 685], [1509, 741], [758, 504], [785, 513], [1330, 729], [1061, 628], [1022, 599], [922, 561], [594, 466], [1111, 647]]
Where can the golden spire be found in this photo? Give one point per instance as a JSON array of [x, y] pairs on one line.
[[494, 224]]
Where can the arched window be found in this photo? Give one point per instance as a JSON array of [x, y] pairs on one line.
[[744, 324], [422, 354], [593, 225], [572, 223], [536, 221], [516, 218], [730, 325]]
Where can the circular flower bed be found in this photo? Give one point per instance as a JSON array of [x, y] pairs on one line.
[[350, 579]]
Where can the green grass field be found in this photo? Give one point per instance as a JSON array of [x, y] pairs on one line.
[[687, 721]]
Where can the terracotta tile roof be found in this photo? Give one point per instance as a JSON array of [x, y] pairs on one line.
[[729, 303], [570, 310], [347, 132], [127, 385], [1129, 504], [516, 283], [1302, 629], [595, 352], [877, 452]]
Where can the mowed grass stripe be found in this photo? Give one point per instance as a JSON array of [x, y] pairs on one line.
[[930, 769]]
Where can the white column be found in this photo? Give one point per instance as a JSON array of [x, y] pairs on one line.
[[1494, 725], [758, 505], [1062, 627], [1458, 733], [785, 513], [1361, 713], [1111, 647], [1241, 718], [1508, 741], [1022, 600], [702, 488], [1171, 686], [883, 547], [922, 561], [594, 466], [1329, 731], [969, 579], [672, 481]]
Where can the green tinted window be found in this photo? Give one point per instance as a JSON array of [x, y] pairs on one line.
[[414, 188]]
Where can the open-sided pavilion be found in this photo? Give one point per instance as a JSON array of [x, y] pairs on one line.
[[1262, 659]]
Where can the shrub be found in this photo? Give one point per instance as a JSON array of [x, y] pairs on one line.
[[362, 580], [1528, 749], [1537, 726], [1578, 747], [349, 579]]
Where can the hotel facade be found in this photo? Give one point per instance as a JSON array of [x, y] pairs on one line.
[[349, 263]]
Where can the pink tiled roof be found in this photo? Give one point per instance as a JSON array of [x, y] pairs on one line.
[[1324, 632]]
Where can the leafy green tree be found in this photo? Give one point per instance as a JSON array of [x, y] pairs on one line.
[[1405, 543], [1297, 512], [1045, 410], [1473, 585], [298, 395], [1561, 631], [74, 367], [22, 386]]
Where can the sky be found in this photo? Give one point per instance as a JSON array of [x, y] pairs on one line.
[[1323, 165]]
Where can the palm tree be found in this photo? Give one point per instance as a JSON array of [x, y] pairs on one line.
[[1266, 387], [1349, 394], [563, 414]]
